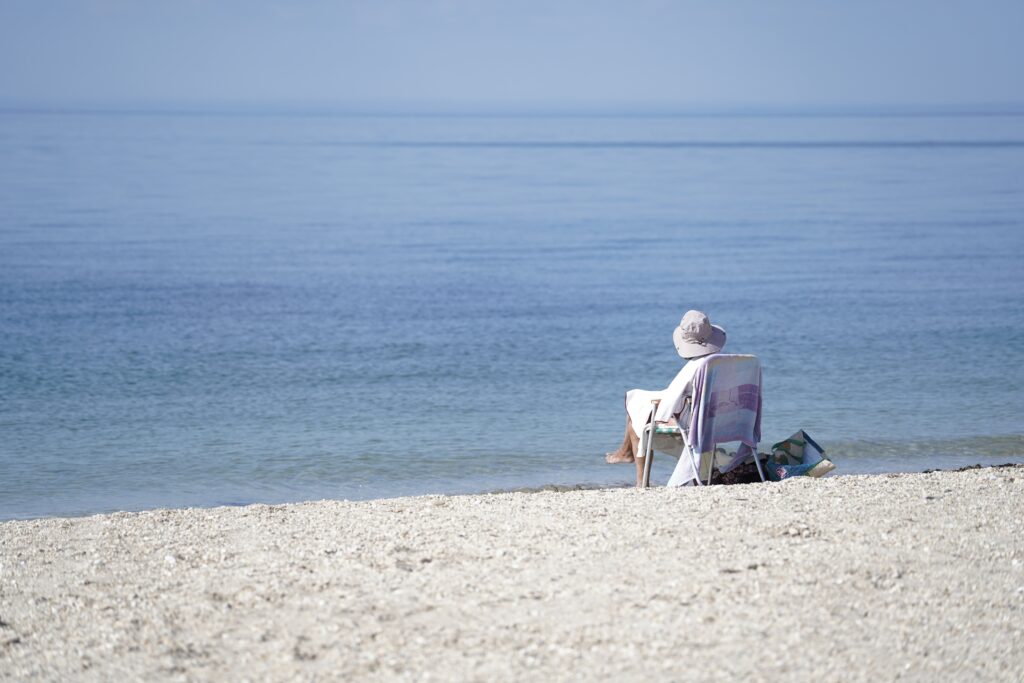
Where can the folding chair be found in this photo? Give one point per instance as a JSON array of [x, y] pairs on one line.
[[728, 388]]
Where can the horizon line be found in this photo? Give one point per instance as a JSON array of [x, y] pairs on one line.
[[510, 109]]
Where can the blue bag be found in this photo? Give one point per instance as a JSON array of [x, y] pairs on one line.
[[799, 455]]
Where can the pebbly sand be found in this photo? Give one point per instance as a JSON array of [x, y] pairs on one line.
[[911, 577]]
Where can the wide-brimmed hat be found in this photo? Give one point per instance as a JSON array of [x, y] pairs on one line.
[[696, 336]]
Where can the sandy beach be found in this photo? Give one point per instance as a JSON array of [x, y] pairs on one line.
[[910, 576]]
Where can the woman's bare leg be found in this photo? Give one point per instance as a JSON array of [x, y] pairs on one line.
[[627, 451]]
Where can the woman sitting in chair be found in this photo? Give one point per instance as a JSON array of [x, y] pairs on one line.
[[694, 338]]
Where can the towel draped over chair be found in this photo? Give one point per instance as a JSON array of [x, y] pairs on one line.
[[726, 408]]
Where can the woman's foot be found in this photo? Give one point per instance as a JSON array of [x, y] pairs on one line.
[[617, 457]]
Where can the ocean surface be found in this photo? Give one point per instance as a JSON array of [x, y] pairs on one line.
[[230, 307]]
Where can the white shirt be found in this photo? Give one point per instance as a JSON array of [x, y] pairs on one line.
[[672, 398]]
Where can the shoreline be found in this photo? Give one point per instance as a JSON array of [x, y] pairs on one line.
[[856, 577], [542, 488]]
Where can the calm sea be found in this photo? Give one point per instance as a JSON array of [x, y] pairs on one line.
[[206, 309]]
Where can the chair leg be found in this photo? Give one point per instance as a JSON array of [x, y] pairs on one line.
[[696, 465], [643, 449], [757, 461], [648, 455]]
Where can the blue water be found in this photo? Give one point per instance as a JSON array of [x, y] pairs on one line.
[[220, 308]]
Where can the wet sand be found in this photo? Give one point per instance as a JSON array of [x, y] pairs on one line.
[[910, 576]]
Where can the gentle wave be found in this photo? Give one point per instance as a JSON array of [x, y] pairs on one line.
[[683, 144], [1002, 446]]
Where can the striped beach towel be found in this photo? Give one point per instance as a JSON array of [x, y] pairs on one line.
[[726, 408]]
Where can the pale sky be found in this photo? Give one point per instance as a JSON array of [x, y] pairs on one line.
[[450, 53]]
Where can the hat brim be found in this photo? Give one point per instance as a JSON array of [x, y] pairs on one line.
[[690, 349]]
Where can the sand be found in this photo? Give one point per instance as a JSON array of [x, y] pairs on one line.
[[912, 577]]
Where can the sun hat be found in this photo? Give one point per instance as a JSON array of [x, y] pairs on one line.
[[696, 336]]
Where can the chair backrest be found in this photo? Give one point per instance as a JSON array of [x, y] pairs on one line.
[[726, 402]]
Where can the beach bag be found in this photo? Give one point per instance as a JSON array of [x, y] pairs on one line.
[[799, 455]]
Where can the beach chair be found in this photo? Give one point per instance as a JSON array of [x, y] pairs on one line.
[[725, 407]]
